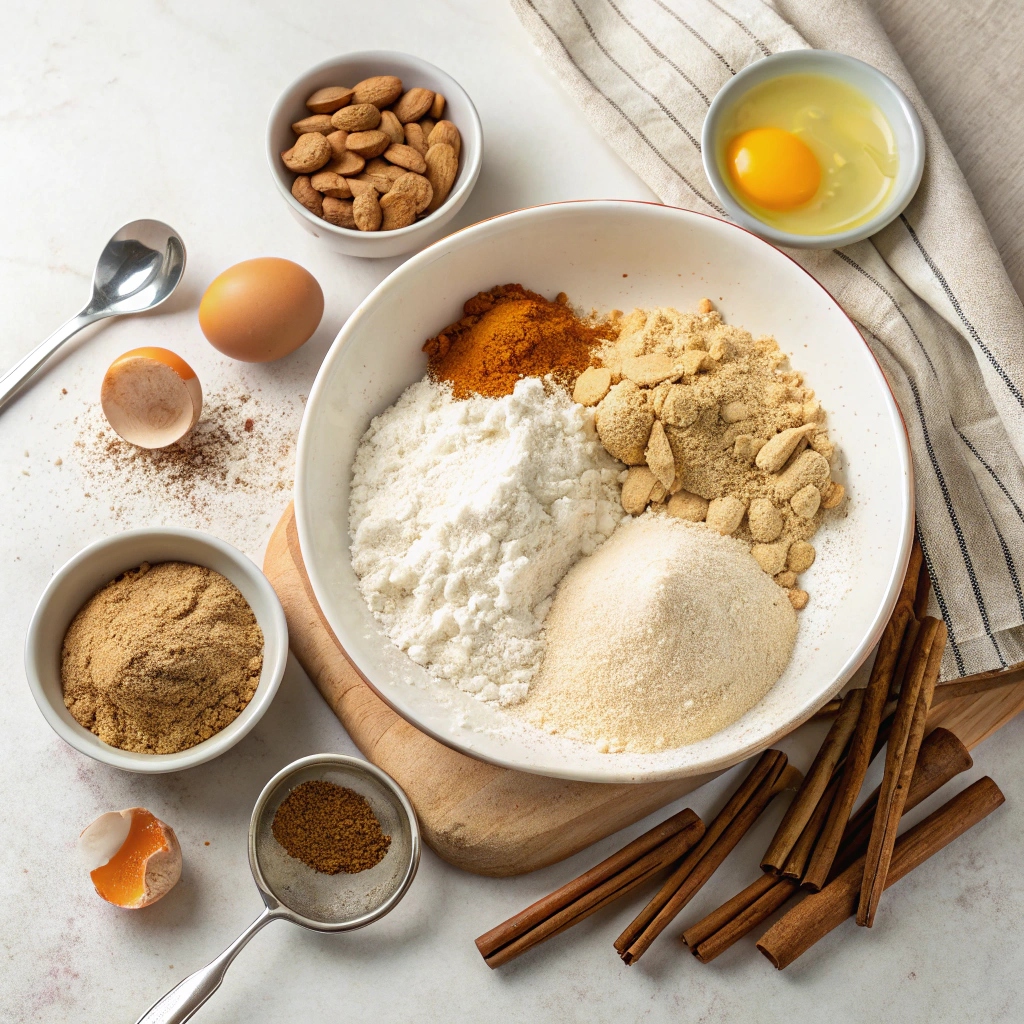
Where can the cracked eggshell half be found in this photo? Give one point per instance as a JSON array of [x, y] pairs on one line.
[[151, 397], [133, 858]]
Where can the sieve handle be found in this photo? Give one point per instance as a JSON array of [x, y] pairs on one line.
[[188, 995]]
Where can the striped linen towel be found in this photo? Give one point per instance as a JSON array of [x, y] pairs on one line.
[[929, 292]]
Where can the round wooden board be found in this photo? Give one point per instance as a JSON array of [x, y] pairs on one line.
[[492, 820]]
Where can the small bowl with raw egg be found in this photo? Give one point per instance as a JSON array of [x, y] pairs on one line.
[[813, 149]]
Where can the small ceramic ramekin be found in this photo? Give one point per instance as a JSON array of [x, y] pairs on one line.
[[76, 581], [879, 88], [347, 70]]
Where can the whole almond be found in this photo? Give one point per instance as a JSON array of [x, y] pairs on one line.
[[366, 211], [317, 123], [445, 131], [442, 166], [413, 185], [378, 165], [310, 152], [361, 188], [381, 183], [347, 164], [367, 144], [339, 212], [330, 183], [413, 105], [337, 142], [327, 101], [359, 117], [381, 90], [407, 157], [307, 195], [414, 137], [437, 107], [391, 126], [399, 214]]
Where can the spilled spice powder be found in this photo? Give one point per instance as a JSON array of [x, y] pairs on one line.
[[330, 828], [233, 473], [508, 333]]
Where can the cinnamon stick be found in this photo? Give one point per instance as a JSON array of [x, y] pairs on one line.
[[861, 746], [746, 921], [796, 862], [941, 759], [819, 913], [906, 651], [767, 765], [740, 812], [924, 585], [911, 581], [686, 821], [901, 758], [615, 887], [728, 911], [816, 781]]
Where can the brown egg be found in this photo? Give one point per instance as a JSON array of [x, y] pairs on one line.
[[261, 310]]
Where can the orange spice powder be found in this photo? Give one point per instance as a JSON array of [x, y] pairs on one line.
[[508, 333]]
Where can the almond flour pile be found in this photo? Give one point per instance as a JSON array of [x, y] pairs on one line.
[[715, 429], [668, 633]]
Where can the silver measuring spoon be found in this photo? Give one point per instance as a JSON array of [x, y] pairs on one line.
[[297, 893], [137, 270]]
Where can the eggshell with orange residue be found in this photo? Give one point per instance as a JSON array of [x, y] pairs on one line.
[[133, 857]]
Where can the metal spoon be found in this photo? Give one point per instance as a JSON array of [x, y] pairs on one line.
[[296, 893], [138, 268]]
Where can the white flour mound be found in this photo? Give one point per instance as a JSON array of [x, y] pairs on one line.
[[464, 515], [666, 635]]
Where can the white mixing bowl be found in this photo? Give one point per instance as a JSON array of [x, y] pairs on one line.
[[605, 255]]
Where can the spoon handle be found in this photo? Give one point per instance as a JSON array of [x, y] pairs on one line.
[[12, 380], [188, 995]]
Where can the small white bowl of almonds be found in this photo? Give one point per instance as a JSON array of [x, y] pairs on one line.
[[375, 151]]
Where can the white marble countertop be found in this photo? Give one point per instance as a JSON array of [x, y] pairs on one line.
[[114, 111]]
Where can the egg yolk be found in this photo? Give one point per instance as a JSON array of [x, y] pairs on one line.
[[122, 880], [773, 168]]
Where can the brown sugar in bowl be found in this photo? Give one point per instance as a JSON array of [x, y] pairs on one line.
[[95, 566]]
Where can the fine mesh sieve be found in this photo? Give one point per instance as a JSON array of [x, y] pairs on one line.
[[335, 902], [295, 892]]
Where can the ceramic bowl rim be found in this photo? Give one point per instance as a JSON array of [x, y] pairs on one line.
[[275, 654], [789, 62]]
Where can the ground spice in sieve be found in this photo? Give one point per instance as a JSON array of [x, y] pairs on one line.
[[330, 828], [509, 333]]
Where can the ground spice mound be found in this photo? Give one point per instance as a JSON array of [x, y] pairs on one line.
[[330, 828], [161, 658], [509, 333]]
